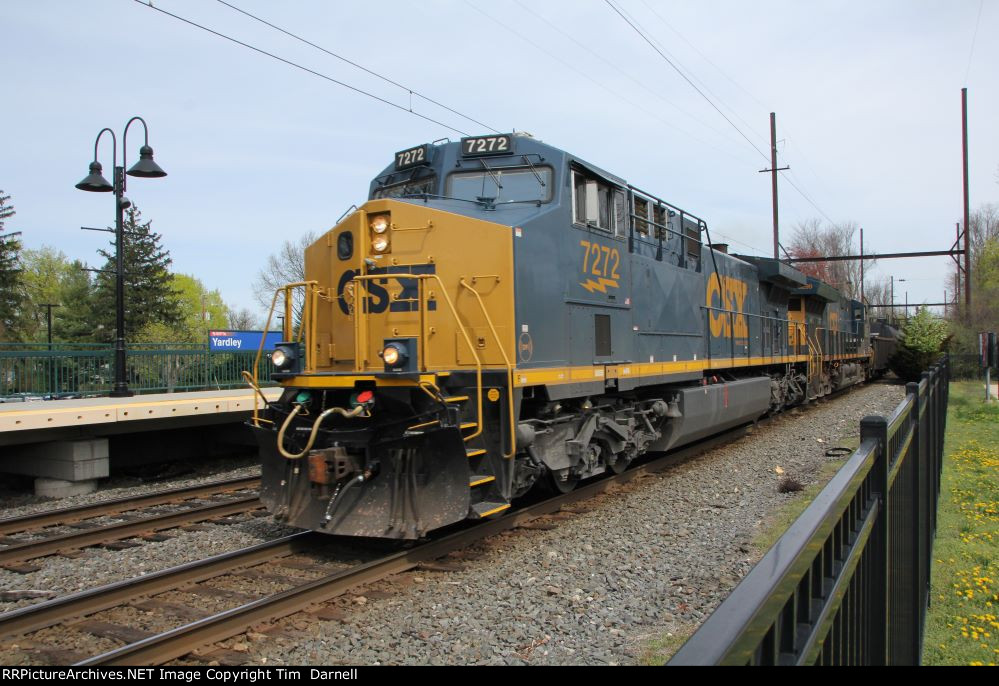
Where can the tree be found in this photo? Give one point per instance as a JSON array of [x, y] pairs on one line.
[[150, 293], [243, 319], [48, 277], [920, 343], [11, 294], [812, 239], [287, 266], [74, 321], [878, 292], [200, 311]]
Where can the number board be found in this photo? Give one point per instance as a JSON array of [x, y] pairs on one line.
[[501, 144], [412, 157]]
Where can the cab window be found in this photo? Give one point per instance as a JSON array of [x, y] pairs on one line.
[[500, 185], [422, 186], [598, 204]]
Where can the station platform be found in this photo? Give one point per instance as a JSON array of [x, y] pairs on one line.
[[68, 445], [54, 420]]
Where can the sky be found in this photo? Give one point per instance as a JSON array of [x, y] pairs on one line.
[[867, 97]]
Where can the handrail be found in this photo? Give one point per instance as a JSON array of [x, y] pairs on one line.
[[506, 361], [359, 361], [309, 317]]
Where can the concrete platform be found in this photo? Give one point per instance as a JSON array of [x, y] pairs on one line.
[[55, 420]]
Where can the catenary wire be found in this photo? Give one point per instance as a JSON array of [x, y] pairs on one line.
[[355, 64], [589, 78], [148, 4], [714, 106], [971, 53], [650, 89]]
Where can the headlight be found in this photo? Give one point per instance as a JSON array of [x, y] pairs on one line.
[[380, 224], [379, 243], [391, 354], [285, 357]]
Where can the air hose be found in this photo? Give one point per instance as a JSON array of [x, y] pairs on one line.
[[337, 496], [358, 411]]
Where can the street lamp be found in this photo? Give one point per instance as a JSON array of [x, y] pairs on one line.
[[95, 182]]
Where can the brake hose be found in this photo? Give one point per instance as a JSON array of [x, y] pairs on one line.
[[349, 414]]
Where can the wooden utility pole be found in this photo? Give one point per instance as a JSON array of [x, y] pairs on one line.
[[773, 179]]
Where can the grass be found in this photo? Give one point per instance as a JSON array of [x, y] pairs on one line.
[[658, 651], [962, 627]]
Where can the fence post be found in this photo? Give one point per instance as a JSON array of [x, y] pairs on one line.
[[920, 452], [876, 427]]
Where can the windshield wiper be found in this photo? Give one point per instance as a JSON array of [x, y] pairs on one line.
[[534, 171], [491, 173]]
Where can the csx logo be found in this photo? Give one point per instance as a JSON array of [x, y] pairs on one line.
[[722, 323], [379, 300]]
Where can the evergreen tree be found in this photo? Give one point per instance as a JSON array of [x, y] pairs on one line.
[[10, 282], [150, 294]]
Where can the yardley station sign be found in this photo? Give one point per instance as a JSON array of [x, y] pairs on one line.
[[241, 341]]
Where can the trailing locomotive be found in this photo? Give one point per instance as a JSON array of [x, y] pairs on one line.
[[501, 313]]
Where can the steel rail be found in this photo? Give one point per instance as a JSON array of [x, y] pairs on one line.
[[66, 515], [178, 642], [82, 539], [59, 610]]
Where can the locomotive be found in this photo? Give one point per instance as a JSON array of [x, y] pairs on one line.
[[500, 314]]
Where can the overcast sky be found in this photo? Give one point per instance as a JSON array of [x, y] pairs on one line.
[[867, 96]]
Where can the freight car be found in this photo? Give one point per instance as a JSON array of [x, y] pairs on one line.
[[501, 313]]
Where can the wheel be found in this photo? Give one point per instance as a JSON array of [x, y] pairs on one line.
[[560, 484], [620, 463]]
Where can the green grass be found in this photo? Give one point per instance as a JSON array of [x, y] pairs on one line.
[[658, 651], [962, 627]]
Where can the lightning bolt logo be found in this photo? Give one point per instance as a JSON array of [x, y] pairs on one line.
[[599, 285]]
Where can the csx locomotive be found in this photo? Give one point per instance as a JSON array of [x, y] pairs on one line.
[[501, 313]]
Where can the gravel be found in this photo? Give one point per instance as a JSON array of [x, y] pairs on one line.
[[17, 501], [652, 558], [632, 568], [98, 566]]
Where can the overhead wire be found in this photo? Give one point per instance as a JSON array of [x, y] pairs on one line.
[[971, 53], [679, 71], [650, 89], [411, 91], [299, 66], [622, 98]]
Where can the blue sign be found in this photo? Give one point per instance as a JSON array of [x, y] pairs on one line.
[[241, 341]]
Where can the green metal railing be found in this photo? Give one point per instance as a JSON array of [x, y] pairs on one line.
[[88, 368]]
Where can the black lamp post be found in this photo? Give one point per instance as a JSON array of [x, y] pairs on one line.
[[96, 183]]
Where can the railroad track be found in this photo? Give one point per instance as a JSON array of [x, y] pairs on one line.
[[129, 523], [76, 611], [195, 629]]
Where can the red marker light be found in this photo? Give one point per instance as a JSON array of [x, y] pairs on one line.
[[365, 397]]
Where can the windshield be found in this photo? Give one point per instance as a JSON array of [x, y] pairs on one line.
[[521, 184], [398, 190]]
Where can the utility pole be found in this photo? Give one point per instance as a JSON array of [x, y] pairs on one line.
[[773, 179], [861, 264], [967, 218], [893, 300]]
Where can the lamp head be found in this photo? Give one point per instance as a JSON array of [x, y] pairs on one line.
[[146, 168], [95, 181]]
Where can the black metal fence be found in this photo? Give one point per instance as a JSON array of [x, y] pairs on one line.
[[849, 581]]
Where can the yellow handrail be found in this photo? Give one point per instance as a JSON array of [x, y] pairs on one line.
[[309, 317], [359, 303], [509, 368]]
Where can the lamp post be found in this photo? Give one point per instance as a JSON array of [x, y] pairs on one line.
[[96, 183]]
